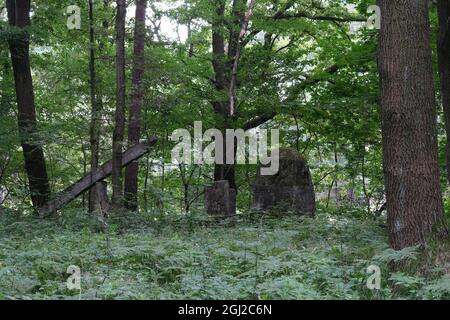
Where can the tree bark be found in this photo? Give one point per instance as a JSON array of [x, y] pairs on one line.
[[94, 201], [134, 127], [97, 176], [237, 56], [222, 68], [408, 119], [225, 69], [19, 44], [443, 49], [118, 136]]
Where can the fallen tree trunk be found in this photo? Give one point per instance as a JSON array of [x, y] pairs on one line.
[[92, 178]]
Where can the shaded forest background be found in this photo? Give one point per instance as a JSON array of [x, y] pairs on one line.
[[332, 119]]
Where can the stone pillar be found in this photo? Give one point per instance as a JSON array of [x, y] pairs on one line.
[[220, 199]]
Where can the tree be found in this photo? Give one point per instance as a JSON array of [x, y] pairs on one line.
[[408, 121], [443, 49], [94, 131], [226, 67], [119, 128], [134, 126], [235, 31], [220, 64], [19, 44]]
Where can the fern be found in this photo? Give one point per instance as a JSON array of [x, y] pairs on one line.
[[168, 258]]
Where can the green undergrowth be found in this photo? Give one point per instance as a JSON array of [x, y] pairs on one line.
[[169, 256]]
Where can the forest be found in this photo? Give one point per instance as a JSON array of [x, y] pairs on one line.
[[224, 150]]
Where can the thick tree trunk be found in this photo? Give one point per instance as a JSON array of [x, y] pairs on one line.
[[408, 115], [134, 127], [95, 177], [118, 136], [444, 69], [94, 201], [226, 70], [221, 71], [19, 16]]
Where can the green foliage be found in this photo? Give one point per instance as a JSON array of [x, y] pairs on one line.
[[335, 114], [165, 256], [390, 255], [332, 119]]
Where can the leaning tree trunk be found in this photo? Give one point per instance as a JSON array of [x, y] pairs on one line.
[[444, 69], [134, 128], [87, 182], [19, 16], [119, 128], [408, 116]]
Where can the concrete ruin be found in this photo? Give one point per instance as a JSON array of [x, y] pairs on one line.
[[289, 191]]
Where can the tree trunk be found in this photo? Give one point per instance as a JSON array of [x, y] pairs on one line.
[[444, 69], [222, 69], [408, 116], [226, 70], [19, 16], [97, 176], [236, 56], [134, 128], [94, 201], [118, 136]]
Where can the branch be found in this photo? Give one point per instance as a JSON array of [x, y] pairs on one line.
[[278, 14], [291, 41], [285, 16], [311, 80], [198, 195], [233, 82], [211, 80], [260, 120]]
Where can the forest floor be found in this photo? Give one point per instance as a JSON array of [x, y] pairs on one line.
[[193, 257]]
